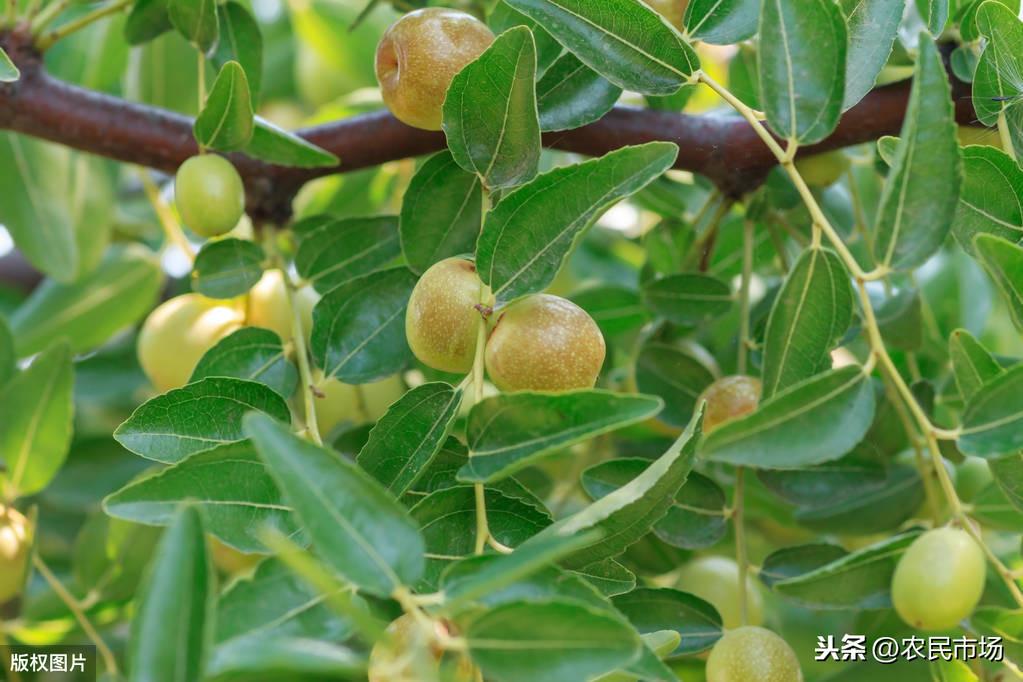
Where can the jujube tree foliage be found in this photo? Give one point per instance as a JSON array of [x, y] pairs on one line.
[[576, 340]]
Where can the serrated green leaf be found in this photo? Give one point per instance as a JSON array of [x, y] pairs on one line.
[[624, 41], [1003, 260], [882, 508], [241, 40], [35, 423], [989, 201], [814, 421], [226, 120], [722, 22], [687, 298], [502, 17], [275, 145], [490, 115], [117, 294], [934, 14], [341, 250], [920, 194], [359, 327], [527, 236], [509, 432], [227, 268], [652, 610], [792, 562], [802, 71], [441, 213], [873, 26], [858, 473], [972, 364], [550, 641], [173, 620], [608, 577], [9, 73], [196, 418], [197, 21], [229, 484], [355, 525], [405, 440], [809, 317], [992, 423], [571, 95], [996, 81], [250, 354], [148, 19]]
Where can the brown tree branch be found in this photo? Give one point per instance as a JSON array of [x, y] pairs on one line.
[[721, 147]]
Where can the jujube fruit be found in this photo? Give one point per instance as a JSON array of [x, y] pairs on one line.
[[442, 322], [972, 476], [672, 10], [231, 561], [209, 195], [715, 579], [339, 402], [408, 654], [178, 333], [269, 306], [822, 170], [752, 654], [939, 579], [15, 546], [418, 57], [730, 398], [544, 343]]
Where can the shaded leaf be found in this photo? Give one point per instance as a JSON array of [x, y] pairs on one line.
[[873, 26], [250, 354], [147, 19], [241, 40], [652, 610], [341, 250], [972, 364], [722, 22], [992, 424], [676, 374], [1003, 260], [989, 201], [197, 21], [571, 95], [688, 298]]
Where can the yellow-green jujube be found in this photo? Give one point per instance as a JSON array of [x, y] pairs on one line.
[[544, 343], [339, 402], [209, 195], [752, 654], [730, 398], [178, 333], [672, 10], [939, 579], [229, 560], [269, 306], [409, 653], [442, 321], [15, 547], [418, 57], [715, 579], [822, 170]]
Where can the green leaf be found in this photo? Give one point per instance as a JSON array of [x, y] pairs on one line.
[[250, 354], [502, 17], [511, 431], [881, 508], [285, 658], [608, 576], [996, 81], [226, 120], [652, 610], [275, 145], [688, 298], [900, 320], [1005, 624], [196, 418], [227, 268], [441, 213], [802, 69], [814, 421], [722, 22], [696, 518], [550, 641], [341, 250], [873, 26], [197, 21], [527, 236], [792, 562], [676, 373], [952, 671], [1008, 474], [624, 41], [809, 317], [490, 116], [35, 423], [241, 40], [997, 505], [405, 440], [229, 484], [972, 364], [89, 312], [571, 95], [920, 194], [989, 201], [173, 620], [934, 14], [359, 327], [8, 358], [992, 423], [615, 309], [629, 513], [1004, 262], [111, 556], [860, 580], [9, 73], [355, 525], [148, 19]]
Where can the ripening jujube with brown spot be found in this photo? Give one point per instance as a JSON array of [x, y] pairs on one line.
[[442, 321], [730, 398], [544, 343], [418, 57]]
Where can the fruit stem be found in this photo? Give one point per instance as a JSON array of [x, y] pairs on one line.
[[109, 661], [482, 524], [171, 227], [738, 519], [63, 31]]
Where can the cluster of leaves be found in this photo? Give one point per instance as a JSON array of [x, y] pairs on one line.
[[910, 263]]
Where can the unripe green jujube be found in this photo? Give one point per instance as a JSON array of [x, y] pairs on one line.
[[939, 579], [752, 654], [730, 398], [15, 546], [442, 321], [822, 170], [418, 57], [972, 476], [715, 579], [544, 343], [209, 195]]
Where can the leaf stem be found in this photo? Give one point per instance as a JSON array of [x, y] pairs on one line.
[[109, 661], [46, 16], [482, 524], [744, 296], [46, 42], [171, 227], [738, 520]]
